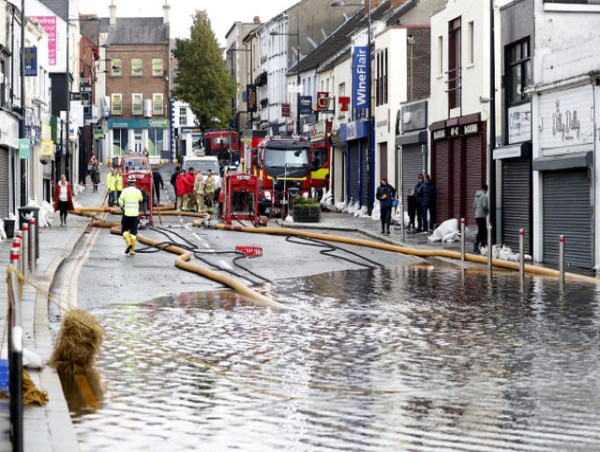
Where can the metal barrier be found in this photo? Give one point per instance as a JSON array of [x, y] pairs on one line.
[[561, 259], [462, 239], [522, 254], [15, 348]]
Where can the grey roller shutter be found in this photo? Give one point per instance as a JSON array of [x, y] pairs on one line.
[[4, 184], [412, 165], [516, 202], [475, 174], [353, 159], [566, 205]]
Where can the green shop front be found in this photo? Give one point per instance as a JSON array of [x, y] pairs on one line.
[[138, 135]]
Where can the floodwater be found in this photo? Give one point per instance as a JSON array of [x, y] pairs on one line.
[[411, 358]]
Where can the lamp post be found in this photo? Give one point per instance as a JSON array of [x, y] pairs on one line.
[[275, 33], [339, 3]]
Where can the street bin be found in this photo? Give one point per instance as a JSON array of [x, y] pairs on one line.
[[25, 213], [9, 227]]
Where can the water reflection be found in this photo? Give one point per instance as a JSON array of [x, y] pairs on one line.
[[406, 359]]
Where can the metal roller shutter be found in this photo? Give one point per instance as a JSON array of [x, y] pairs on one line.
[[475, 174], [516, 202], [353, 159], [456, 183], [383, 162], [4, 184], [566, 204], [441, 179], [364, 175], [412, 165]]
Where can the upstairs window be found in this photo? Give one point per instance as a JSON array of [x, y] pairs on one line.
[[136, 67], [116, 68], [454, 62], [518, 71], [157, 67]]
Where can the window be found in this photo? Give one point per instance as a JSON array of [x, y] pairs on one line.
[[440, 55], [116, 68], [136, 67], [155, 141], [116, 104], [471, 49], [157, 104], [454, 57], [183, 116], [157, 67], [137, 104], [381, 88], [119, 141], [518, 71]]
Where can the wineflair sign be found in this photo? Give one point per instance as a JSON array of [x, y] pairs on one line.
[[360, 77], [138, 123]]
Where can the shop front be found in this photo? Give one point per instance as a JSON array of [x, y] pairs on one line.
[[358, 162], [458, 166], [9, 145], [138, 135]]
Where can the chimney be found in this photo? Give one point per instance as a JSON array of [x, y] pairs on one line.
[[113, 12], [167, 12], [256, 20]]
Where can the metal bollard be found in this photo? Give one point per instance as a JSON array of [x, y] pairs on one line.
[[25, 250], [402, 219], [462, 239], [522, 254], [489, 250], [561, 259], [32, 248]]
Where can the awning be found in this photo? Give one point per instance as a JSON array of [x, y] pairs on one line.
[[564, 161], [513, 151]]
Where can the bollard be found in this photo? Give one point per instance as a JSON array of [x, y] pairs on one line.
[[462, 239], [25, 250], [489, 250], [402, 219], [561, 259], [32, 248], [522, 254]]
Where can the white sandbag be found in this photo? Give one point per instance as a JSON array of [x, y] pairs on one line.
[[447, 227], [31, 359], [289, 219], [362, 213], [376, 213]]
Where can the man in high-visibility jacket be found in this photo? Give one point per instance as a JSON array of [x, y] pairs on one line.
[[118, 182], [129, 201], [111, 186]]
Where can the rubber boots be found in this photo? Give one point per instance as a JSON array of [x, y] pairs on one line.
[[128, 241], [132, 251], [387, 228]]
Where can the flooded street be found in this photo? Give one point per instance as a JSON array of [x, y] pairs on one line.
[[410, 358]]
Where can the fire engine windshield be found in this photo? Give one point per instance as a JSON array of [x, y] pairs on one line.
[[293, 162]]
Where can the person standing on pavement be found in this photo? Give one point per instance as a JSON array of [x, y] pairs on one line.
[[130, 201], [157, 180], [419, 216], [481, 206], [63, 199], [411, 201], [180, 187], [199, 191], [118, 182], [188, 198], [209, 190], [427, 196], [385, 194]]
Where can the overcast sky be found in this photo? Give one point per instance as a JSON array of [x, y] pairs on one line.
[[222, 13]]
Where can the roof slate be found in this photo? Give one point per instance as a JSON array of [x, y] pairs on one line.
[[138, 30]]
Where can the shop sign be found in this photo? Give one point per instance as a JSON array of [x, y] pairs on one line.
[[138, 123], [318, 131], [47, 149], [360, 77], [439, 134], [519, 123], [471, 128]]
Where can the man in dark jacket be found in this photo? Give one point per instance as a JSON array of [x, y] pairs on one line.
[[427, 196], [158, 184], [418, 200], [174, 183], [412, 209], [481, 207], [385, 194]]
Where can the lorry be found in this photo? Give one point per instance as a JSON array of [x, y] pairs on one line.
[[283, 170]]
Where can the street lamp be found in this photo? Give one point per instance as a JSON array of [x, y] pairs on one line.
[[339, 3], [275, 33]]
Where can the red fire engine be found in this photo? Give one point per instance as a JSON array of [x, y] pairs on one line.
[[283, 169], [220, 142]]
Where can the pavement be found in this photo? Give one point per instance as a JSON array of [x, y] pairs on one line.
[[49, 428]]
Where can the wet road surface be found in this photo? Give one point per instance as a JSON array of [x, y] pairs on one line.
[[404, 358]]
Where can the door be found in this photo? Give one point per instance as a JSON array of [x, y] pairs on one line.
[[137, 141], [566, 211], [4, 183], [353, 169], [516, 202]]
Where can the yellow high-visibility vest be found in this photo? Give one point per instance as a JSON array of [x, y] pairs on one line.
[[119, 183], [130, 201], [111, 182]]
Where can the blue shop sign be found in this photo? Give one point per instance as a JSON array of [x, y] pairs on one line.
[[353, 130], [159, 123], [31, 66]]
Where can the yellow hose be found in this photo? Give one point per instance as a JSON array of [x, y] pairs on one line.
[[182, 262], [532, 269]]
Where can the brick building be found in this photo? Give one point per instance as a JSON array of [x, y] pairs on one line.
[[137, 84]]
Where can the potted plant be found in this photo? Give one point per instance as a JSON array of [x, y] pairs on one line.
[[306, 210]]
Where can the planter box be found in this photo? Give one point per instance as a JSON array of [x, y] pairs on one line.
[[306, 214]]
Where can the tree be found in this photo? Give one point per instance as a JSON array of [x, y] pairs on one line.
[[202, 79]]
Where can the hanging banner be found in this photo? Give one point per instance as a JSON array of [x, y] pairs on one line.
[[24, 148], [31, 66], [360, 77], [305, 105]]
